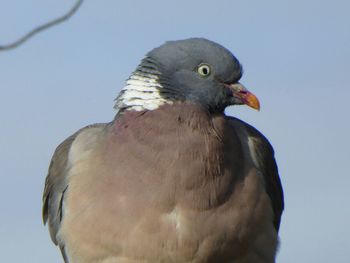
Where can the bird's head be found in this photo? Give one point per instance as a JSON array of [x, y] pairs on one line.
[[193, 70]]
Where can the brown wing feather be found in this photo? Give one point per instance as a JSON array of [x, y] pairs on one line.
[[267, 164], [56, 184]]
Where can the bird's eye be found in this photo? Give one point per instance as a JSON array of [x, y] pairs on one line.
[[204, 70]]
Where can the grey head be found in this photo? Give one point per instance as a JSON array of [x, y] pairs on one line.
[[193, 70]]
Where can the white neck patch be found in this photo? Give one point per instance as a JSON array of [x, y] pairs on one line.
[[141, 92]]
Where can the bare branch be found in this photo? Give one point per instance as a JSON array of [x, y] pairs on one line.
[[43, 27]]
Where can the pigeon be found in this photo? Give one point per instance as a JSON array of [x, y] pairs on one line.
[[171, 178]]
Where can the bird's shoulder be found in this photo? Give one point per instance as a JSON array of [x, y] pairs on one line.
[[251, 133], [56, 181], [263, 156]]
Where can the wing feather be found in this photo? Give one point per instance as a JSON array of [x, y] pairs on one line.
[[56, 184], [265, 157]]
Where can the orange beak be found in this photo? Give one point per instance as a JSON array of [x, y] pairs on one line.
[[245, 96]]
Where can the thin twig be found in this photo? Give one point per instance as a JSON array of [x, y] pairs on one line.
[[43, 27]]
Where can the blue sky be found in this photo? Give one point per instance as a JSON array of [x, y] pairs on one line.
[[296, 58]]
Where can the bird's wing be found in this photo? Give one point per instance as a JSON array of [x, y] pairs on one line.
[[55, 186], [263, 155]]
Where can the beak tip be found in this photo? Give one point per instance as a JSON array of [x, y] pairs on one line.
[[252, 101]]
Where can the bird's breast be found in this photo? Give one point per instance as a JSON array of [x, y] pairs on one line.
[[163, 190], [177, 156]]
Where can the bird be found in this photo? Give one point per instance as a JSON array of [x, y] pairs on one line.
[[171, 178]]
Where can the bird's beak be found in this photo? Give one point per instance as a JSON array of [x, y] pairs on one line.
[[244, 95]]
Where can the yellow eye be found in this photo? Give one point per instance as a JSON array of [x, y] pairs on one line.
[[204, 70]]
